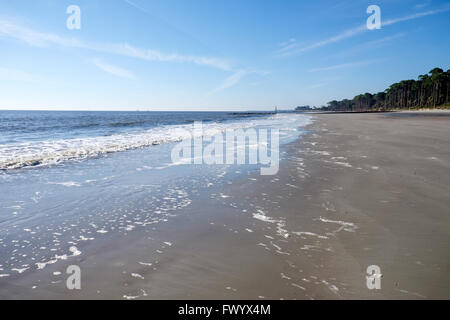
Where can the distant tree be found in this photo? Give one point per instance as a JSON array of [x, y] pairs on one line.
[[333, 105], [379, 99], [303, 108], [430, 90]]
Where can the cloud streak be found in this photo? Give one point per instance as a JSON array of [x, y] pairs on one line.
[[370, 45], [35, 38], [346, 65], [291, 47], [230, 81], [136, 6], [234, 79], [41, 39], [114, 70]]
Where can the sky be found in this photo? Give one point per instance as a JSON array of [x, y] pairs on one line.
[[208, 55]]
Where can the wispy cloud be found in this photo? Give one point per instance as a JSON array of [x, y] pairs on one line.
[[287, 46], [346, 65], [235, 78], [131, 3], [383, 40], [35, 38], [317, 85], [154, 55], [423, 4], [114, 70], [370, 45], [415, 16], [230, 81], [292, 47]]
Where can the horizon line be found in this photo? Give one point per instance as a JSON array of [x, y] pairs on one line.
[[146, 110]]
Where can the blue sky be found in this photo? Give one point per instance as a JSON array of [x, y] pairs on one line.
[[212, 54]]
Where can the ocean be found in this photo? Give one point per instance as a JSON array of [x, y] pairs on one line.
[[72, 181], [36, 138]]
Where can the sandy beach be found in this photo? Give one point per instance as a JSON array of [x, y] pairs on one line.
[[355, 190], [358, 190]]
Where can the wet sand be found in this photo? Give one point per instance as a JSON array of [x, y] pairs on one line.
[[356, 190]]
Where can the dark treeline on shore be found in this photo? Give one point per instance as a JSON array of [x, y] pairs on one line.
[[429, 91]]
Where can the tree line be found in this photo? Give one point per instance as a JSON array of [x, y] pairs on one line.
[[429, 91]]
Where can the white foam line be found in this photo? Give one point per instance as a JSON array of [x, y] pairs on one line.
[[330, 286], [20, 270], [298, 286], [343, 223], [16, 155], [305, 233], [67, 184]]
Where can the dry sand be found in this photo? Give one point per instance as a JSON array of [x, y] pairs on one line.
[[389, 175]]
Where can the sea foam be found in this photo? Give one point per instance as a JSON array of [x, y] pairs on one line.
[[35, 153]]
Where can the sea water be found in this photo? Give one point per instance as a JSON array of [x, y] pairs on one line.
[[69, 179]]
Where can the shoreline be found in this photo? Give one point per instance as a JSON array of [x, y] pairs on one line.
[[388, 176], [312, 230], [355, 190]]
